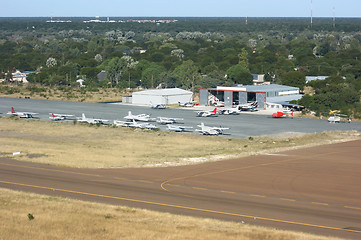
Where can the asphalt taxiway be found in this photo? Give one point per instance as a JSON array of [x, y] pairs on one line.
[[243, 125]]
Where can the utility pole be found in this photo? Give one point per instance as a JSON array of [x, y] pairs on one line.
[[129, 79]]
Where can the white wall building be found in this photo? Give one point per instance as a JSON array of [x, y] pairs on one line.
[[162, 96]]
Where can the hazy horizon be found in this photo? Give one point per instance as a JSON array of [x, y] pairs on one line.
[[184, 8]]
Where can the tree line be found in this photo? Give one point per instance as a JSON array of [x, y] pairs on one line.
[[191, 53]]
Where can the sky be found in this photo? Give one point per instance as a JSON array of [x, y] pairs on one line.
[[179, 8]]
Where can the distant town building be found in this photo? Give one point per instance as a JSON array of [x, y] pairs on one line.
[[313, 78]]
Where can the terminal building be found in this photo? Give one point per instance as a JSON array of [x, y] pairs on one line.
[[231, 96]]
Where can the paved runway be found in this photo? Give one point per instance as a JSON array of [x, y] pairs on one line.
[[242, 125], [315, 190]]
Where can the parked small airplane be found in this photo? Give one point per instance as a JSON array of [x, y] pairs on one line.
[[21, 114], [207, 113], [177, 128], [141, 117], [118, 123], [206, 130], [334, 119], [282, 114], [186, 104], [166, 120], [248, 106], [84, 119], [59, 116], [157, 106], [337, 118], [229, 111], [134, 124]]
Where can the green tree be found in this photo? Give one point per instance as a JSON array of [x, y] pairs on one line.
[[243, 58], [186, 74], [295, 79], [117, 66], [151, 76], [239, 74]]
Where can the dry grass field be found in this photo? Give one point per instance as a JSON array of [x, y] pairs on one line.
[[75, 94], [91, 146], [60, 218]]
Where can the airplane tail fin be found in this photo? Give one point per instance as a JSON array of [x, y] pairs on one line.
[[12, 110], [83, 116], [214, 111], [52, 114], [292, 113]]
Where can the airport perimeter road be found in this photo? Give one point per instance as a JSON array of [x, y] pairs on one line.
[[315, 190], [242, 125]]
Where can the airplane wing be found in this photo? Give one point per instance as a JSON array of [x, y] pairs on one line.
[[62, 115]]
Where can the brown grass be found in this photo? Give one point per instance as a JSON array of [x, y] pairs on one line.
[[85, 146], [59, 218], [76, 94]]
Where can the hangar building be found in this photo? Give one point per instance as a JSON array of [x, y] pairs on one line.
[[273, 93], [162, 96]]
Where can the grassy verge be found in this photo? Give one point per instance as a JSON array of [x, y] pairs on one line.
[[60, 218], [85, 146]]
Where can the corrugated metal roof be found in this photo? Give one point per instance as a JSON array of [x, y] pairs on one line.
[[270, 87], [285, 98], [163, 92]]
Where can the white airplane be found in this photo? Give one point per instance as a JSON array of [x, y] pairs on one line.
[[334, 119], [59, 116], [337, 118], [157, 106], [84, 119], [134, 124], [248, 106], [229, 111], [166, 120], [206, 130], [21, 114], [177, 128], [207, 113], [141, 117], [186, 104], [118, 123]]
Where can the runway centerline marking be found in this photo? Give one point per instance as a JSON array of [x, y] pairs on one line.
[[319, 203], [228, 192], [199, 188], [288, 199], [182, 207], [255, 195], [356, 208]]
